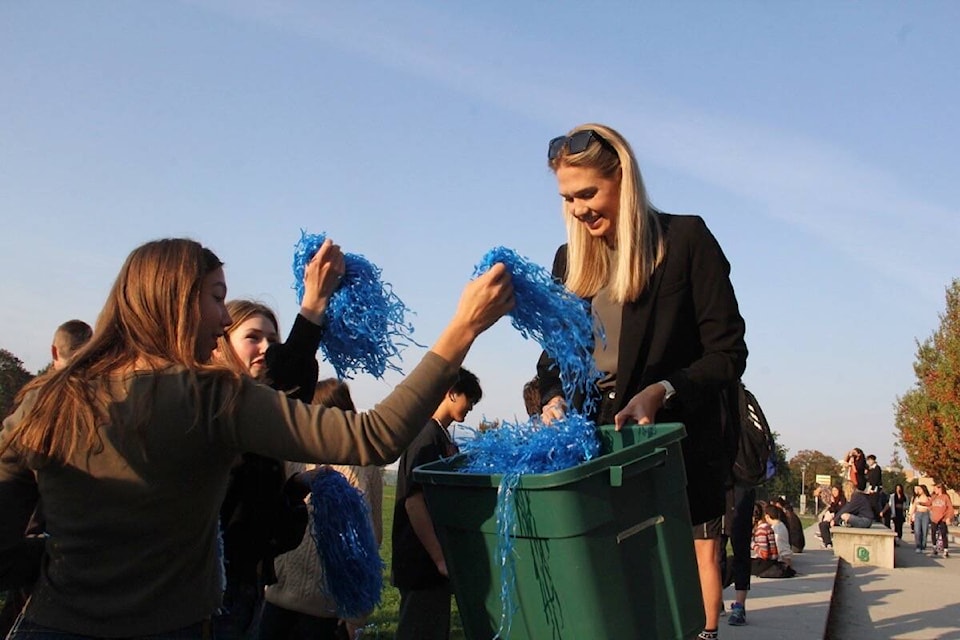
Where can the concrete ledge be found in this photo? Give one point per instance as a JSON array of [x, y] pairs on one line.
[[864, 547]]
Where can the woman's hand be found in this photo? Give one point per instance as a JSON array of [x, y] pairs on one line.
[[555, 409], [642, 407], [320, 280], [483, 301]]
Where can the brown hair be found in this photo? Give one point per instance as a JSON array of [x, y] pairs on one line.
[[150, 321], [70, 336], [531, 396], [331, 392], [640, 246], [240, 311]]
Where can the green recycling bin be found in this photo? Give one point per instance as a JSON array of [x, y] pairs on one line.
[[602, 550]]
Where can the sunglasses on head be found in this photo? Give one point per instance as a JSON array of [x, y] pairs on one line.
[[577, 143]]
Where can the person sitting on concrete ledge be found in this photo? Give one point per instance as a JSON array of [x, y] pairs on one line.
[[858, 512]]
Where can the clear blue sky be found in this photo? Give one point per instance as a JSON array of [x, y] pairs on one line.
[[818, 139]]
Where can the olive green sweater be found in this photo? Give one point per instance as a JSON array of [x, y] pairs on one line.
[[133, 544]]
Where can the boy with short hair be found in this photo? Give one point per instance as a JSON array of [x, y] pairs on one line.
[[67, 340], [419, 568]]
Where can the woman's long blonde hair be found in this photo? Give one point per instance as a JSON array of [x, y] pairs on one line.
[[151, 320], [639, 239], [240, 311]]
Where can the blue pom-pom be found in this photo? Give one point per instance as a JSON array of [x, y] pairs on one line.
[[557, 319], [365, 321], [352, 567]]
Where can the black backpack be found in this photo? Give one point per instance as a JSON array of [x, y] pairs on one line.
[[755, 460]]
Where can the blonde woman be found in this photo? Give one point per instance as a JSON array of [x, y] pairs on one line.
[[674, 337], [130, 447]]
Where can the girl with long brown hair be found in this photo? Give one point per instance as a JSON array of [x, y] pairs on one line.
[[263, 514], [131, 445]]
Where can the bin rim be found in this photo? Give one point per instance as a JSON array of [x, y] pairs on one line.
[[648, 438]]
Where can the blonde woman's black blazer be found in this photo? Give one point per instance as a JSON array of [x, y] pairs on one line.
[[685, 328]]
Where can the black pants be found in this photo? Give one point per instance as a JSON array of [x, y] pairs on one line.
[[938, 530], [278, 623], [738, 528]]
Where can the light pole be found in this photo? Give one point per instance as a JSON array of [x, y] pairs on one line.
[[803, 488]]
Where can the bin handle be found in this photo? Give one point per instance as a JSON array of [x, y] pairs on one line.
[[620, 472]]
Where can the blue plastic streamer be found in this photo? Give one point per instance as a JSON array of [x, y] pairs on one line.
[[531, 447], [352, 567], [365, 321], [506, 528], [515, 449], [558, 320]]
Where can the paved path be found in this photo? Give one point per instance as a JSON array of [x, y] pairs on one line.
[[789, 608], [918, 600]]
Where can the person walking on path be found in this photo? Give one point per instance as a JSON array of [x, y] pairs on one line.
[[920, 516], [898, 509], [941, 514]]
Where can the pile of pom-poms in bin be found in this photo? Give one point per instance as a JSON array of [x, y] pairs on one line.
[[561, 323], [365, 322], [515, 449], [531, 447], [346, 545]]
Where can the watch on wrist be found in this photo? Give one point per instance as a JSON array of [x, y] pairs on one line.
[[669, 392]]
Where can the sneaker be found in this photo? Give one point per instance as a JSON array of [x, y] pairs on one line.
[[708, 635], [723, 610], [738, 615], [918, 550]]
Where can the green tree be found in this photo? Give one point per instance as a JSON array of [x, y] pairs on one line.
[[815, 463], [12, 378], [928, 414], [893, 474]]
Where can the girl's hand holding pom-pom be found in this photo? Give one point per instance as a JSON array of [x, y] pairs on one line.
[[321, 278], [486, 299]]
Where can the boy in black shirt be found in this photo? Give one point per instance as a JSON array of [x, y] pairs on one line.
[[419, 569]]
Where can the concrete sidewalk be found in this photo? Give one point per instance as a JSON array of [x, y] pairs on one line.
[[789, 608], [918, 600]]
